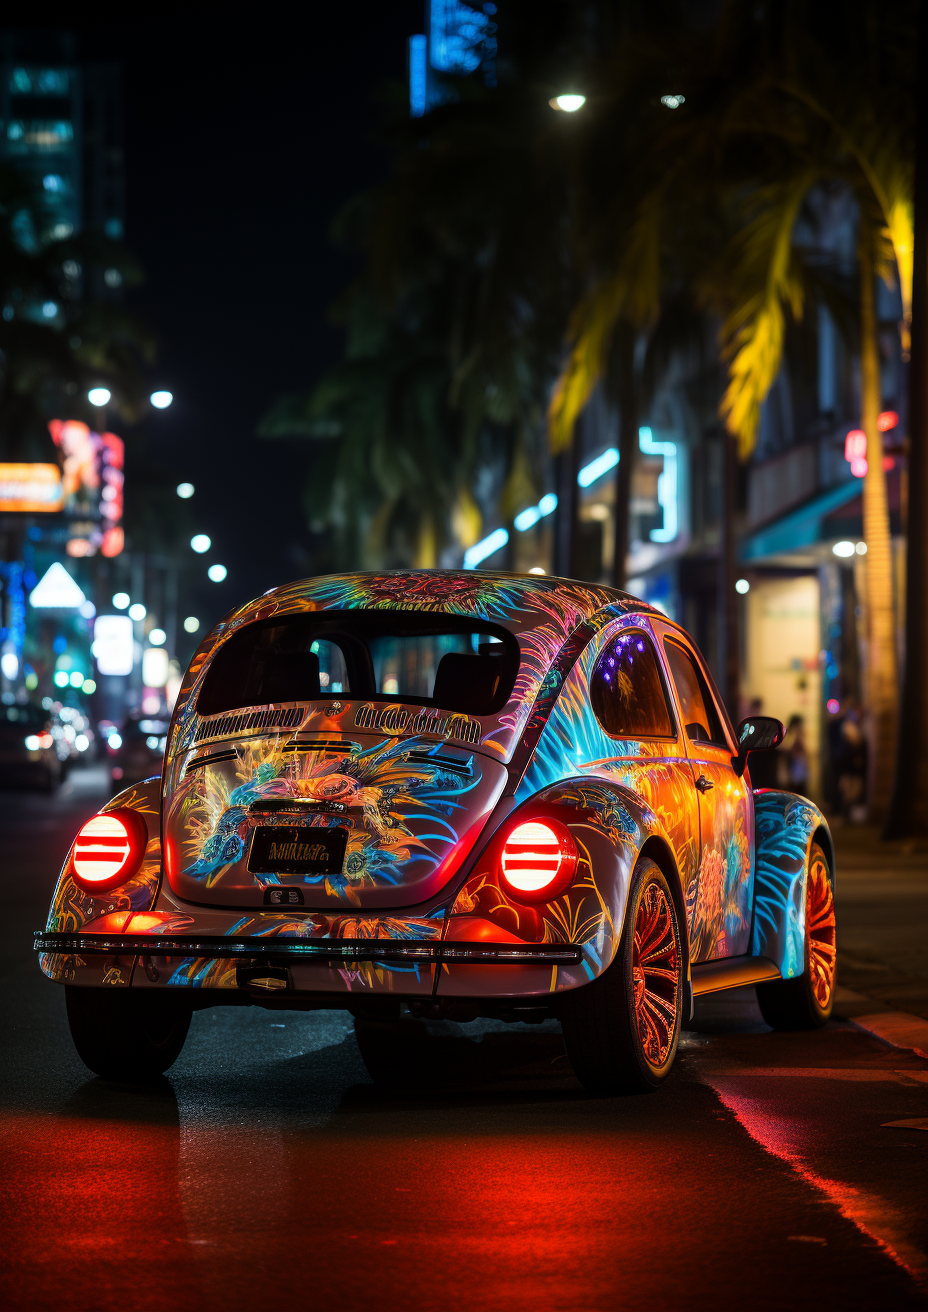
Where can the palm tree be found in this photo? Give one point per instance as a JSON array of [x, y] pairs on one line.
[[453, 332], [796, 113]]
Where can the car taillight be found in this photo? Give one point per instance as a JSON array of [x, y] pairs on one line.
[[108, 850], [538, 860]]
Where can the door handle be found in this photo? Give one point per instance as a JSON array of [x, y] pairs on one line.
[[704, 784]]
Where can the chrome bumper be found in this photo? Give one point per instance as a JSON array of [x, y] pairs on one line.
[[280, 950]]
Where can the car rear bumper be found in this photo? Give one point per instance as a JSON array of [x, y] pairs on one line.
[[286, 949]]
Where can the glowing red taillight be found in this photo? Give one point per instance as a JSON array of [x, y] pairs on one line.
[[538, 860], [108, 849]]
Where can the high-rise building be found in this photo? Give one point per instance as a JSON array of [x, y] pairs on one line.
[[61, 122]]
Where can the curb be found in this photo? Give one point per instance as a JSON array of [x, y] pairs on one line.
[[899, 1028]]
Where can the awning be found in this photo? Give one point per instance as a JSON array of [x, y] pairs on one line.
[[800, 528]]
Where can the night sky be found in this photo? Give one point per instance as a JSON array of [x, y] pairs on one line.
[[242, 142]]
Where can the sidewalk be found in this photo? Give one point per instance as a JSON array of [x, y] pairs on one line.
[[882, 909]]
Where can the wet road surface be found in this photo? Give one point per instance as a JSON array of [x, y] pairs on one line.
[[267, 1169]]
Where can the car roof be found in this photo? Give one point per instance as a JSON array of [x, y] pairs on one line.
[[542, 611], [514, 600]]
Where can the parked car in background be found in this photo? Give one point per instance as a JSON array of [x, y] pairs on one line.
[[136, 750], [29, 749]]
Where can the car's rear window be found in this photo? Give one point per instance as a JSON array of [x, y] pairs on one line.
[[458, 664]]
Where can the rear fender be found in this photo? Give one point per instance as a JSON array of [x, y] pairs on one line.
[[611, 826], [72, 908], [786, 825]]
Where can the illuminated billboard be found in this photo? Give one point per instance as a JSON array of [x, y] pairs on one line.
[[92, 477], [113, 644], [31, 489]]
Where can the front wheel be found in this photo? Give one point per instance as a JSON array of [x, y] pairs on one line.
[[805, 1003], [124, 1034], [621, 1030]]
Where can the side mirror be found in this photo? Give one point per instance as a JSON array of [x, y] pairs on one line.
[[756, 733]]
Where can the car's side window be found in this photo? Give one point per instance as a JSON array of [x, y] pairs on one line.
[[627, 690], [702, 721]]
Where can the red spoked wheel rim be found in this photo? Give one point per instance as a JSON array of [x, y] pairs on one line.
[[655, 974], [820, 931]]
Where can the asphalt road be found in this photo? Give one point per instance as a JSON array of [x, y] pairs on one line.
[[267, 1170]]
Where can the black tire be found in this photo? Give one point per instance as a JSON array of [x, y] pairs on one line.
[[600, 1021], [126, 1034], [800, 1003], [393, 1050]]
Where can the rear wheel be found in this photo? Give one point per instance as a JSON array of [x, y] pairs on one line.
[[124, 1034], [805, 1003], [621, 1030], [393, 1048]]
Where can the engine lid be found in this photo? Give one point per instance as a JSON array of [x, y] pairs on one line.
[[353, 820]]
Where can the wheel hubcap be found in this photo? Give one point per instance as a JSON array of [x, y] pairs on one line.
[[820, 932], [655, 974]]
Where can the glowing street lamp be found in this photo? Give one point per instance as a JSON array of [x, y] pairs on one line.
[[161, 400], [201, 542], [568, 103], [99, 396], [185, 491]]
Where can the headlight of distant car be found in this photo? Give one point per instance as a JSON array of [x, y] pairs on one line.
[[38, 741]]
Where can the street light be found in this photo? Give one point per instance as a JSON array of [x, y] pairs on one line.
[[121, 600], [137, 611], [99, 396], [161, 400], [201, 542], [568, 102], [185, 491], [191, 624], [157, 637], [217, 573]]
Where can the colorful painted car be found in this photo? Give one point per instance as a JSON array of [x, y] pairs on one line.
[[446, 794]]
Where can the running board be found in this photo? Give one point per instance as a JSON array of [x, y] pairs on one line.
[[732, 973]]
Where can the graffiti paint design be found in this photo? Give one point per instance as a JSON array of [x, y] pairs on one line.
[[402, 811], [786, 825], [411, 823]]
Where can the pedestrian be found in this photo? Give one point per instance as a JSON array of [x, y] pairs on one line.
[[851, 768]]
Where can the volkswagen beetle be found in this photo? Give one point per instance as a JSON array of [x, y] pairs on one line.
[[455, 794]]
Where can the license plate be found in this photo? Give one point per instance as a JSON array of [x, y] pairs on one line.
[[297, 850]]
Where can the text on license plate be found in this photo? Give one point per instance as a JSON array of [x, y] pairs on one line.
[[297, 850]]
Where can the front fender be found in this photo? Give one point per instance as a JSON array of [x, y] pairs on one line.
[[785, 826], [610, 825], [72, 908]]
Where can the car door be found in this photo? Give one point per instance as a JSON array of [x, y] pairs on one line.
[[719, 904]]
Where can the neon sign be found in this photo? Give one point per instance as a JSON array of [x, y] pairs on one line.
[[666, 484]]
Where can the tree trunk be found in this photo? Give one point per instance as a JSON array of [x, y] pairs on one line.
[[882, 684], [628, 449], [908, 812], [729, 654]]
